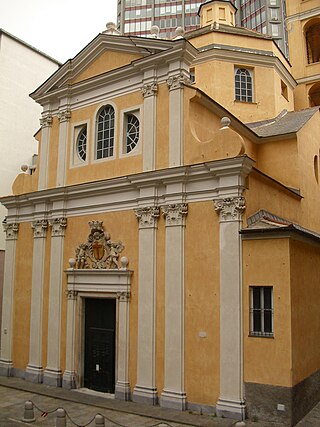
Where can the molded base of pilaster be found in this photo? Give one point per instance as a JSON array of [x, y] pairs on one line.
[[6, 367], [145, 395], [233, 409], [69, 380], [122, 391], [174, 400], [52, 377], [34, 374]]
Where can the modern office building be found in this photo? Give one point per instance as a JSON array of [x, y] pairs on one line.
[[136, 17]]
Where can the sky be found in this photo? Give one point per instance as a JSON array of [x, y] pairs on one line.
[[59, 28]]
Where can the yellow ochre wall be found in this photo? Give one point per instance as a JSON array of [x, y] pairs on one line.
[[22, 297], [268, 360], [104, 168], [305, 299], [216, 79], [105, 62], [202, 297]]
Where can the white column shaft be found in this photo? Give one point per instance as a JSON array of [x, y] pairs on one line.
[[52, 374], [69, 375], [7, 308], [149, 132], [122, 386], [44, 154], [64, 117]]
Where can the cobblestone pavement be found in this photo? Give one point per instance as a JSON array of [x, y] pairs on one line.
[[81, 409]]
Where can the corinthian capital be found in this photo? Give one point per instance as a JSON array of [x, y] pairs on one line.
[[147, 216], [58, 226], [64, 115], [177, 81], [230, 209], [175, 214], [46, 121], [39, 228], [11, 230], [149, 89]]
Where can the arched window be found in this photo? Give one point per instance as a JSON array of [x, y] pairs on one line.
[[105, 132], [132, 132], [82, 144], [314, 95], [313, 42], [243, 85]]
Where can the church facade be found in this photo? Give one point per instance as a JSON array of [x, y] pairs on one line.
[[167, 247]]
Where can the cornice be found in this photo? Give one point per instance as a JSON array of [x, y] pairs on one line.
[[182, 51], [302, 15], [201, 182]]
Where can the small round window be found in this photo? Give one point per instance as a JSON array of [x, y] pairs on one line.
[[132, 135], [82, 144]]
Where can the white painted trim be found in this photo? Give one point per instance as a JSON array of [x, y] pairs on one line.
[[137, 111], [94, 133], [75, 160]]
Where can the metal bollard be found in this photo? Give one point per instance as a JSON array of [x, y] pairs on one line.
[[28, 416], [61, 420], [99, 420]]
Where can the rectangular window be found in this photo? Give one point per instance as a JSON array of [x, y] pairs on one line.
[[261, 311]]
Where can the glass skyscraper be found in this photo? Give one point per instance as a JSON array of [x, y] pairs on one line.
[[136, 17]]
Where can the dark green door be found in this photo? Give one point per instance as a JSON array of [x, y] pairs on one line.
[[99, 366]]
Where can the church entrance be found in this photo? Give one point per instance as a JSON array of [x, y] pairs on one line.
[[100, 331]]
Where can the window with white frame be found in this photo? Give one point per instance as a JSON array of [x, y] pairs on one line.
[[261, 311], [81, 145], [105, 132], [130, 132], [79, 149], [243, 81]]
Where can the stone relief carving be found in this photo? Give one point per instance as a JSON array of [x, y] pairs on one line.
[[11, 230], [149, 89], [99, 251], [39, 228], [177, 81], [175, 214], [58, 226], [231, 208], [147, 216]]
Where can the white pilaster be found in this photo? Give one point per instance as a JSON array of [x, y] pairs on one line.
[[122, 389], [64, 119], [6, 364], [149, 91], [231, 401], [52, 374], [173, 394], [176, 84], [70, 376], [34, 370], [145, 391], [46, 123]]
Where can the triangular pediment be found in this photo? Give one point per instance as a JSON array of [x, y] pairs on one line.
[[102, 55]]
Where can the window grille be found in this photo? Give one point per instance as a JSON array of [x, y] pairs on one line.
[[261, 311], [243, 85], [82, 144], [132, 132], [105, 133]]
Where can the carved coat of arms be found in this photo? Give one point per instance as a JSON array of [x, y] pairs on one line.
[[99, 251]]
